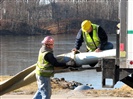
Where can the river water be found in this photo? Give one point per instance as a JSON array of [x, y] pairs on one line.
[[19, 52]]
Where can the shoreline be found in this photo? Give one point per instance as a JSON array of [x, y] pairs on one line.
[[60, 87]]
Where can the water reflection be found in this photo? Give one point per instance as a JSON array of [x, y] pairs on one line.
[[19, 52]]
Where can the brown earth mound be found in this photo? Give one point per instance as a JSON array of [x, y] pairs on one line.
[[61, 86]]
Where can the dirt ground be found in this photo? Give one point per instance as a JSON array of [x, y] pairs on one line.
[[58, 89]]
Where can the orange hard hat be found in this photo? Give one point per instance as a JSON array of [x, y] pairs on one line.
[[86, 25], [48, 40]]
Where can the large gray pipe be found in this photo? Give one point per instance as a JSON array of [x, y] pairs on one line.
[[86, 58]]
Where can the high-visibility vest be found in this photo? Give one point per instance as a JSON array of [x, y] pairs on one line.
[[43, 67], [92, 44]]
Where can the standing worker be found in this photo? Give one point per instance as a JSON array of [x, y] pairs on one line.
[[45, 68], [94, 37]]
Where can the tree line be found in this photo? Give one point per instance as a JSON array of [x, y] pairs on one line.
[[55, 16]]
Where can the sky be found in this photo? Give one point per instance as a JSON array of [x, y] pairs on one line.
[[42, 2]]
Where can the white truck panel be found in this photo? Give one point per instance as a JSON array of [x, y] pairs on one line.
[[130, 15], [130, 34]]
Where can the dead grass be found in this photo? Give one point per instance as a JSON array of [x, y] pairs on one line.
[[124, 91]]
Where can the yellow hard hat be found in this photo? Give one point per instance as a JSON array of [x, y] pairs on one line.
[[86, 24]]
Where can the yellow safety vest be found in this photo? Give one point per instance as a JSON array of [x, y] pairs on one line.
[[43, 67], [91, 45]]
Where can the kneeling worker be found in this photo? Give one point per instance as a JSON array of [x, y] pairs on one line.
[[94, 37]]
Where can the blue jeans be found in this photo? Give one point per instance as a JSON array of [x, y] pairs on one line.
[[108, 46], [44, 88]]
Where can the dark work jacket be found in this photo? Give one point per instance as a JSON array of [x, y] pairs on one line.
[[101, 34], [51, 59]]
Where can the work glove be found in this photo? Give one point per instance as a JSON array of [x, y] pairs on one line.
[[97, 50], [75, 51], [70, 63]]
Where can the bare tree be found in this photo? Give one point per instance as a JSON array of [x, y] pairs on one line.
[[35, 12], [1, 1]]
